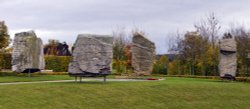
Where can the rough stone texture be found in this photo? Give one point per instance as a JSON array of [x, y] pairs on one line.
[[143, 55], [27, 52], [228, 58], [91, 53]]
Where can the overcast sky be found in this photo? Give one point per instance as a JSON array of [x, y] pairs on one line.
[[65, 19]]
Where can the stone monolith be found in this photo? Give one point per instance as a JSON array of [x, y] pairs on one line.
[[143, 55], [91, 54], [228, 58], [27, 52]]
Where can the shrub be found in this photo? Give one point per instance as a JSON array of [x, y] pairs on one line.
[[5, 61], [243, 79], [57, 63], [121, 67], [240, 79], [159, 69], [8, 74]]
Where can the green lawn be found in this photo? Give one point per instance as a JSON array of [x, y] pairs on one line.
[[4, 79], [37, 77], [173, 93]]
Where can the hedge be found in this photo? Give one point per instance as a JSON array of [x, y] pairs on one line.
[[5, 60], [239, 79], [57, 63]]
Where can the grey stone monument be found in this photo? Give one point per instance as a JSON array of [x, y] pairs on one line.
[[228, 58], [27, 53], [143, 55], [92, 56]]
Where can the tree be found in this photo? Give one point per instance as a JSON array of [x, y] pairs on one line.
[[209, 60], [4, 42], [121, 40], [172, 42], [173, 67], [128, 55], [242, 37], [4, 36], [191, 49], [122, 56], [164, 60], [209, 29], [198, 51], [121, 51], [56, 48], [160, 66]]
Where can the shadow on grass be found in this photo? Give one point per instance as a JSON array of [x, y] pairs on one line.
[[226, 81], [217, 80]]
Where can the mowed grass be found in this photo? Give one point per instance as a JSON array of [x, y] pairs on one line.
[[172, 93], [23, 78]]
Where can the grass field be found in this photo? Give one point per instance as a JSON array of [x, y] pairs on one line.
[[173, 93], [4, 79]]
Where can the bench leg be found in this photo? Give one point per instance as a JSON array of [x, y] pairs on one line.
[[75, 78], [104, 79]]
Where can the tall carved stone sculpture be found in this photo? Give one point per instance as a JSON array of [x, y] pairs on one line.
[[92, 55], [27, 52], [143, 55], [228, 58]]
